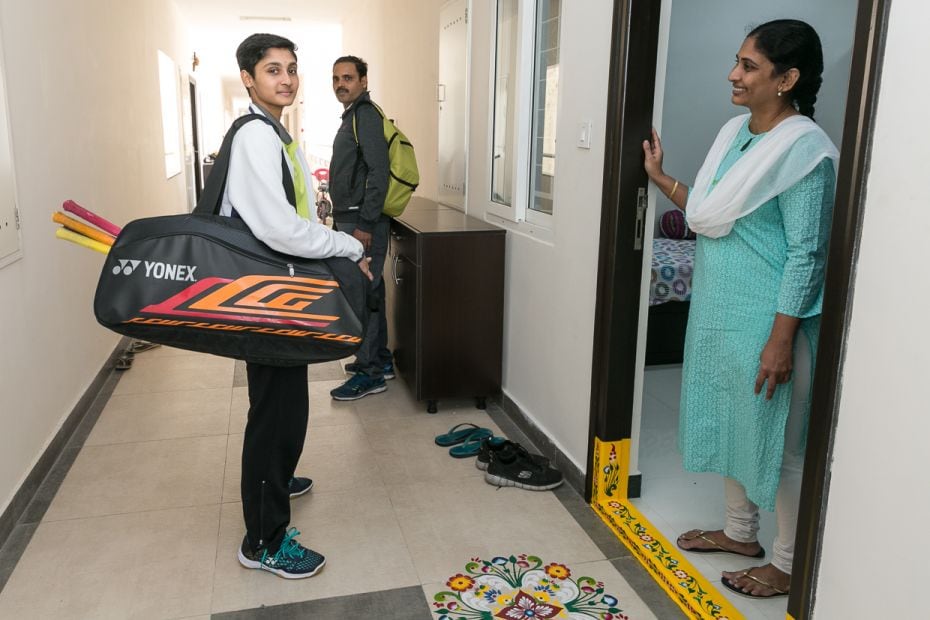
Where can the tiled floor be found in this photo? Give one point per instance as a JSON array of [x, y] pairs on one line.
[[146, 520], [676, 501]]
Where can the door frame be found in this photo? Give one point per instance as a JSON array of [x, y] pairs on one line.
[[634, 45], [195, 136]]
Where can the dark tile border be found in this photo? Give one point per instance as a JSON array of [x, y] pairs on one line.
[[543, 444], [20, 519], [400, 604]]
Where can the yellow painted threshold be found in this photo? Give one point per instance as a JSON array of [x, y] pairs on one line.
[[685, 584]]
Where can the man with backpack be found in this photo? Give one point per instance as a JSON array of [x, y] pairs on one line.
[[359, 173]]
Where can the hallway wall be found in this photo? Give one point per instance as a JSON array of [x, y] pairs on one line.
[[551, 288], [874, 552], [400, 42], [84, 106]]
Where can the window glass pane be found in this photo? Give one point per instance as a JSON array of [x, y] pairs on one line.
[[505, 96], [545, 98]]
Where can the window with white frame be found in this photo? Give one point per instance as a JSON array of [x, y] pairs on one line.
[[524, 110]]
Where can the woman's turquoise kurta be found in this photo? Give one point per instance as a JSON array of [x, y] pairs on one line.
[[772, 261]]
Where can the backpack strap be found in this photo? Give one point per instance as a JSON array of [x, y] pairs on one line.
[[359, 159], [211, 199]]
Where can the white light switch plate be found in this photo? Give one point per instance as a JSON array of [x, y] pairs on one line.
[[584, 135]]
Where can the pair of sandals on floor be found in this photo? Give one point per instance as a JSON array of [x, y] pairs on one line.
[[464, 440], [716, 547]]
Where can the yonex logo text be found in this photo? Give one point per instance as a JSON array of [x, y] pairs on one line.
[[165, 271], [125, 267]]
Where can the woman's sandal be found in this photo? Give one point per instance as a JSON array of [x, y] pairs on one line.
[[746, 573], [459, 434], [718, 548], [472, 445]]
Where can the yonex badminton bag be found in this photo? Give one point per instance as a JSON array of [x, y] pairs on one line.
[[203, 282]]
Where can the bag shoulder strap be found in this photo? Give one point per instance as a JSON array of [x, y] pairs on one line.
[[355, 117], [359, 158], [211, 199]]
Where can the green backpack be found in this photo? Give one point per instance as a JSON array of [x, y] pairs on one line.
[[404, 176]]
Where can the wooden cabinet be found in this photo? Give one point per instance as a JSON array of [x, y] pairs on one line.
[[444, 279]]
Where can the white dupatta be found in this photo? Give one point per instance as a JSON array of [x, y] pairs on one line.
[[783, 156]]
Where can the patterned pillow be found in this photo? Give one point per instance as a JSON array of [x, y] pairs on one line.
[[672, 225]]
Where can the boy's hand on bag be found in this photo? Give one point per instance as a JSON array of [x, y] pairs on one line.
[[365, 265]]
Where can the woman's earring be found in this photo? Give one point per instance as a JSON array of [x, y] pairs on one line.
[[779, 92]]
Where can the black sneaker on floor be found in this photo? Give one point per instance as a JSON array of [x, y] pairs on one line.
[[298, 486], [521, 471], [291, 561], [491, 447]]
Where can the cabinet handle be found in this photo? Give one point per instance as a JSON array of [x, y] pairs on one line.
[[397, 281]]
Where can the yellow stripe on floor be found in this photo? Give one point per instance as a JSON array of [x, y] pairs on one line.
[[683, 583]]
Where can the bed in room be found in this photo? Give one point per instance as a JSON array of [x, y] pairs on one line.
[[669, 295]]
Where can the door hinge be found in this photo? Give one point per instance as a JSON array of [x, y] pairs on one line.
[[16, 216], [642, 203]]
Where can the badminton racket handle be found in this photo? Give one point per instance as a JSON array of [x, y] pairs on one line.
[[82, 229], [73, 237], [72, 207]]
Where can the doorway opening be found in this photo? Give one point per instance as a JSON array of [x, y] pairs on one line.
[[197, 159], [631, 454]]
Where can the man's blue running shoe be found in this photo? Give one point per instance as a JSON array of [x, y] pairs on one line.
[[354, 368], [291, 561], [358, 386]]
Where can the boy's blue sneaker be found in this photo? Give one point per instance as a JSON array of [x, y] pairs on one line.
[[354, 368], [298, 486], [291, 561], [358, 386]]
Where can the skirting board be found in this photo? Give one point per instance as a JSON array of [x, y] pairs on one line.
[[573, 475]]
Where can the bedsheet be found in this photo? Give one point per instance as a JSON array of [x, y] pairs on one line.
[[672, 266]]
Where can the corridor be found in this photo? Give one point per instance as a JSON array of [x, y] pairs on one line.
[[141, 518]]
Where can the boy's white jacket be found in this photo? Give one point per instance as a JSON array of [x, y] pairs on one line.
[[255, 189]]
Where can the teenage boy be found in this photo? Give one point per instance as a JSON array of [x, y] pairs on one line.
[[358, 183], [278, 398]]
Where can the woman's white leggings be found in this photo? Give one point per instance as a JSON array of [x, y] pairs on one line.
[[742, 515]]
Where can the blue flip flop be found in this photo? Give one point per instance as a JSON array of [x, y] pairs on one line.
[[472, 445], [458, 434]]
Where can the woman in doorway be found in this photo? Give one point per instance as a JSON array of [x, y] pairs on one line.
[[761, 207]]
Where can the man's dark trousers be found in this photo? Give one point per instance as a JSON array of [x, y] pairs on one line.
[[279, 406], [374, 354]]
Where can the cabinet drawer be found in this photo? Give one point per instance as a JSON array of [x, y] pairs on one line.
[[404, 243]]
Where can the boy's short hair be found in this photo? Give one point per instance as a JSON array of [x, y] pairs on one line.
[[360, 65], [254, 48]]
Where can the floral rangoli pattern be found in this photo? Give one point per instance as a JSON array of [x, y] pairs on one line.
[[523, 587]]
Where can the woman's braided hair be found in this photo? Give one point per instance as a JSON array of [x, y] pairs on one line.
[[791, 43]]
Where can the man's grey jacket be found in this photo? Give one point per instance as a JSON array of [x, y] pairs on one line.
[[359, 172]]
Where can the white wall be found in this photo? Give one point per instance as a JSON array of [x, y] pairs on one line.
[[400, 42], [551, 288], [875, 543], [82, 85]]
